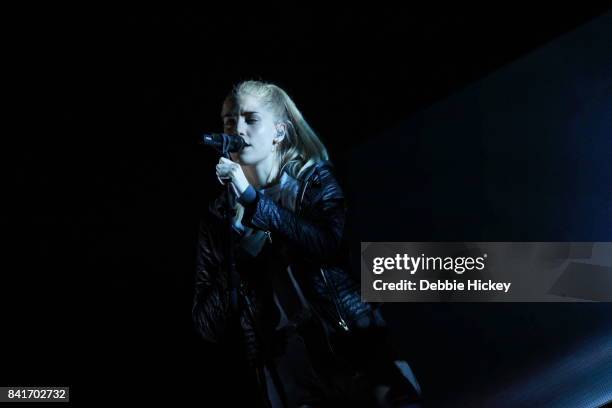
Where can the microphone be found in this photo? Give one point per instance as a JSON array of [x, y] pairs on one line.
[[224, 142]]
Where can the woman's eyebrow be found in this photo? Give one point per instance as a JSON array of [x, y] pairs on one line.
[[232, 114]]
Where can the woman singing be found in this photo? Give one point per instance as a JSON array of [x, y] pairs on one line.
[[301, 326]]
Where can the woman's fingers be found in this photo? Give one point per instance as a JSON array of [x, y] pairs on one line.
[[229, 170], [220, 180], [225, 170]]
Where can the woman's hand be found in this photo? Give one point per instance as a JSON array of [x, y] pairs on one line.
[[227, 169]]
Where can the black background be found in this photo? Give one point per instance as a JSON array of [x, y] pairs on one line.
[[105, 183]]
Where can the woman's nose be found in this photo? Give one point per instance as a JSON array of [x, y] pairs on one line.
[[241, 127]]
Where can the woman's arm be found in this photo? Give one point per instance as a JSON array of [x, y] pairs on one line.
[[319, 239], [211, 300]]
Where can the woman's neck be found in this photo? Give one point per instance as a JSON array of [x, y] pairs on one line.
[[261, 174]]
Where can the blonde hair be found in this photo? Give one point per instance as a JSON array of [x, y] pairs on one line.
[[301, 148]]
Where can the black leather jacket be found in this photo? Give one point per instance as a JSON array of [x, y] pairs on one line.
[[314, 238], [346, 329]]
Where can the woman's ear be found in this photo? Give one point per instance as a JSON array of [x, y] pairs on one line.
[[281, 132]]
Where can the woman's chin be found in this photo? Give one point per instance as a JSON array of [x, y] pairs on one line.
[[248, 158], [245, 160]]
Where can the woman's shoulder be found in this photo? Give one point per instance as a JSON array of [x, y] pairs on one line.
[[316, 171], [325, 174], [322, 177]]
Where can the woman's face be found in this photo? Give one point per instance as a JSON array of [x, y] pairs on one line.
[[248, 118]]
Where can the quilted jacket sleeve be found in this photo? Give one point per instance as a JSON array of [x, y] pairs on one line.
[[319, 235]]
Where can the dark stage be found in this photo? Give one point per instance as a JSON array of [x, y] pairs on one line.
[[453, 124]]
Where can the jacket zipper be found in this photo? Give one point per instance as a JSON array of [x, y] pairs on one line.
[[330, 287], [303, 194]]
